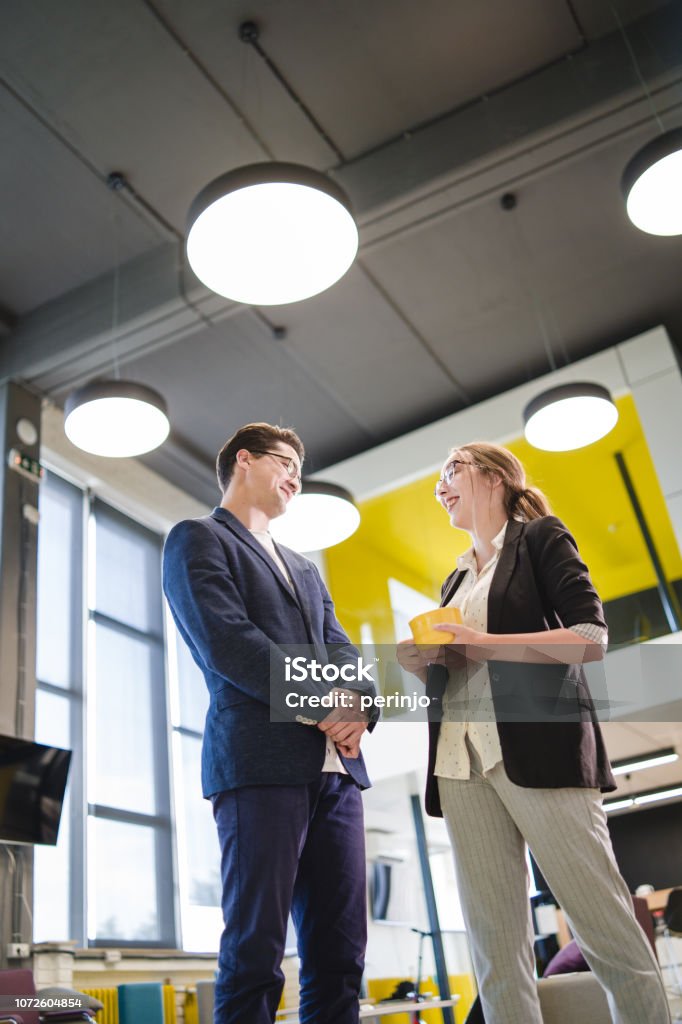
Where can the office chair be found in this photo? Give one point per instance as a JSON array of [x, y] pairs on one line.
[[20, 983]]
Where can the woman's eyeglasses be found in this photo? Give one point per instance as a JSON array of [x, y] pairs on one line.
[[449, 474]]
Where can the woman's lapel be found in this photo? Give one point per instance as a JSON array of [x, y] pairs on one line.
[[451, 585], [503, 573]]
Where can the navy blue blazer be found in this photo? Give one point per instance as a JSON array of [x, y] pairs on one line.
[[238, 615], [546, 718]]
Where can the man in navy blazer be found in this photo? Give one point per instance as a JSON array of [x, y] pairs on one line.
[[285, 793]]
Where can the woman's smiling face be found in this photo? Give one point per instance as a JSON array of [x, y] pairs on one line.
[[457, 488], [468, 492]]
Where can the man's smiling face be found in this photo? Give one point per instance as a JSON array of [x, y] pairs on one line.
[[274, 478]]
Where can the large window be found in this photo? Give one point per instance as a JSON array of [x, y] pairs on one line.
[[198, 849], [58, 898], [102, 692]]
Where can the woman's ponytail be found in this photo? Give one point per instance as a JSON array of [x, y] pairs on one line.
[[528, 503]]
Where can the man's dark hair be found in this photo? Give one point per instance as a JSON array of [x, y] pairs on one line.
[[255, 437]]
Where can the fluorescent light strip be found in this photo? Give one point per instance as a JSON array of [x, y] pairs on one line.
[[640, 799], [619, 805], [665, 794], [651, 761]]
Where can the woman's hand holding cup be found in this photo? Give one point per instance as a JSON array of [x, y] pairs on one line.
[[430, 634], [415, 659]]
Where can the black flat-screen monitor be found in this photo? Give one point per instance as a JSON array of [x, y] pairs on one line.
[[32, 783], [647, 845]]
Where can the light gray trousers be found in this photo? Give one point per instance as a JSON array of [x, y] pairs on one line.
[[488, 819]]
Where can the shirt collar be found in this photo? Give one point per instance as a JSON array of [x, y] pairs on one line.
[[468, 559], [498, 541]]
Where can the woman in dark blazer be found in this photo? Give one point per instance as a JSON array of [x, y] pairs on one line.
[[517, 756]]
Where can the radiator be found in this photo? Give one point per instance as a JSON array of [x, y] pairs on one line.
[[108, 996], [170, 1015], [191, 1007]]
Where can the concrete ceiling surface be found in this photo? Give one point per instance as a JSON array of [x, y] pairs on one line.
[[435, 110]]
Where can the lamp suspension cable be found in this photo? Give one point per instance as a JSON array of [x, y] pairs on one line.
[[112, 185], [541, 309], [189, 54], [570, 415], [115, 418], [249, 33], [652, 180], [118, 182], [638, 71], [272, 233]]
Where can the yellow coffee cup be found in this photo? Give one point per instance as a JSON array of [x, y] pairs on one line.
[[422, 625]]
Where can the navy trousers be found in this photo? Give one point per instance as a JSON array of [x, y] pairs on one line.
[[297, 849]]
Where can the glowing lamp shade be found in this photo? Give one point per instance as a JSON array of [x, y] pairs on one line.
[[652, 185], [570, 416], [271, 233], [115, 418], [321, 516]]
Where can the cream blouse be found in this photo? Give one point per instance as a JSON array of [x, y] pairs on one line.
[[467, 703]]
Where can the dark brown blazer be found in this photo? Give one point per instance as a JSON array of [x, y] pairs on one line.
[[546, 717]]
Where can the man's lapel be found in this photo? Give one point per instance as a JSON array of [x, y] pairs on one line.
[[233, 524]]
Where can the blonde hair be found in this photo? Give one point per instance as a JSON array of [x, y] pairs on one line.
[[519, 500]]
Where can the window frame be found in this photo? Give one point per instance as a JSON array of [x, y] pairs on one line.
[[80, 687]]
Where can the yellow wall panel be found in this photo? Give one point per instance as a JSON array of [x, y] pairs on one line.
[[405, 533]]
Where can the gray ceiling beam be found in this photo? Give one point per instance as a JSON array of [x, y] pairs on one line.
[[191, 470], [69, 340], [563, 91]]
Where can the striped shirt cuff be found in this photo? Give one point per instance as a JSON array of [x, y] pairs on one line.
[[589, 631]]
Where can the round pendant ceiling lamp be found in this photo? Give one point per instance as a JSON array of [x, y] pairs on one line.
[[569, 416], [321, 516], [652, 185], [271, 233], [115, 418]]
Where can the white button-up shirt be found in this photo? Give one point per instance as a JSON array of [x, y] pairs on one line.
[[332, 761], [467, 704]]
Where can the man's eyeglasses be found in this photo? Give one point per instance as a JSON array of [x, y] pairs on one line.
[[449, 474], [289, 464]]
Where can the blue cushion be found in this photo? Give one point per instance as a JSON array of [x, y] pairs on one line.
[[141, 1002]]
